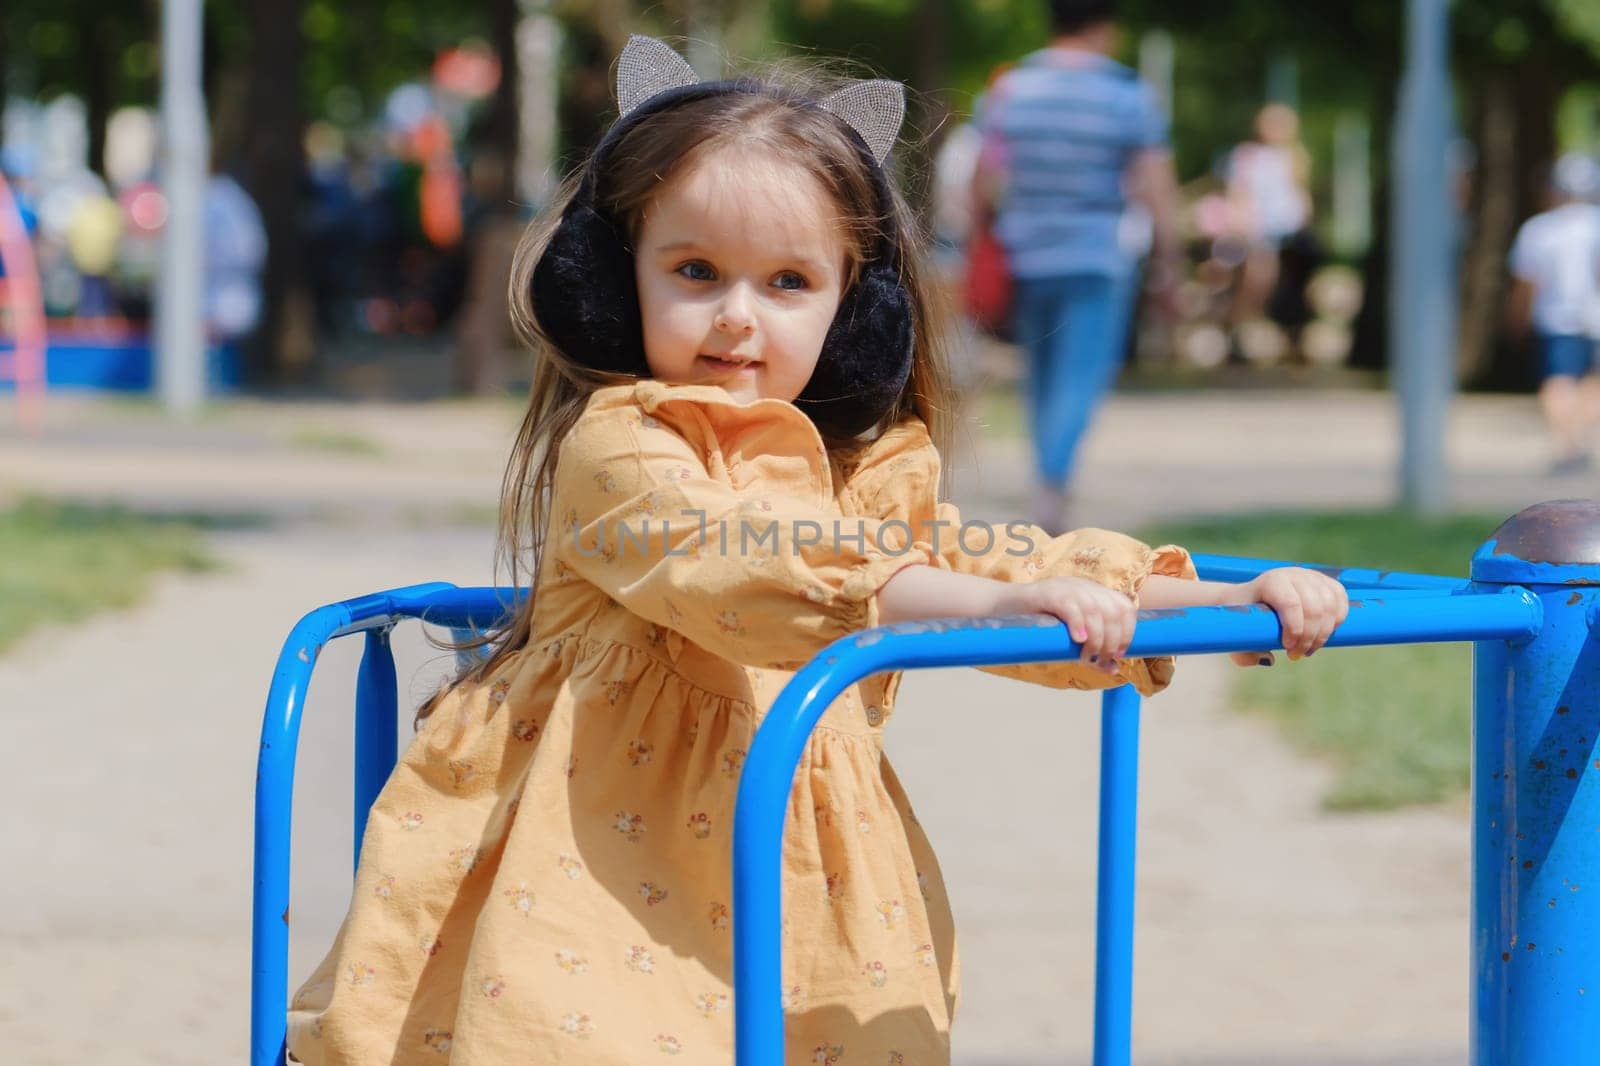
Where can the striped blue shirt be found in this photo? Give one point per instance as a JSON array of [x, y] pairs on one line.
[[1064, 124]]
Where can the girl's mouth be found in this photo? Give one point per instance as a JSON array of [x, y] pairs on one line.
[[728, 365]]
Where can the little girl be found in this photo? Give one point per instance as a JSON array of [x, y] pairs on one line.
[[726, 464]]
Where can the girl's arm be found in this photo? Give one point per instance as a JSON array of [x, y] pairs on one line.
[[1309, 605]]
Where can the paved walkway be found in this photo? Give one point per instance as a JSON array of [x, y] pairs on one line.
[[1269, 932]]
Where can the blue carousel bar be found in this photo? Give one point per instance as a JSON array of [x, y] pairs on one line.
[[1528, 608]]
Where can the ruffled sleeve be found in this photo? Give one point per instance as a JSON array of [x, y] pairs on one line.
[[716, 520], [896, 479]]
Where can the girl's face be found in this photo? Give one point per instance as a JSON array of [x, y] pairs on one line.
[[740, 265]]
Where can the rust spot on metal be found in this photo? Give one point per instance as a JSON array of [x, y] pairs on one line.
[[1539, 764], [1528, 865], [1505, 956], [1563, 710], [1576, 597], [1530, 945], [1572, 775], [286, 916]]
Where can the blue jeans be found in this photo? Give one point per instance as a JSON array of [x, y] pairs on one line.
[[1073, 330]]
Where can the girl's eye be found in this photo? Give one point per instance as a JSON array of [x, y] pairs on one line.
[[697, 271], [789, 280]]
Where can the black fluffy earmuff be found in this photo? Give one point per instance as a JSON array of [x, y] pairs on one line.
[[586, 297]]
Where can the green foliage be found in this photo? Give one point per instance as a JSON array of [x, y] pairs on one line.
[[1394, 722], [892, 36]]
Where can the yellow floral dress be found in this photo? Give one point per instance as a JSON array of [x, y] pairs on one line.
[[547, 875]]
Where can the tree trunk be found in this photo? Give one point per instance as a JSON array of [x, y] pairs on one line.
[[930, 109], [503, 122], [274, 164], [99, 54], [1491, 219]]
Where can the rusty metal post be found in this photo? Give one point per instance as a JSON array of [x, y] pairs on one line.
[[1536, 799]]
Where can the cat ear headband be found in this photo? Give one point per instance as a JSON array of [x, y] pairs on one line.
[[585, 295]]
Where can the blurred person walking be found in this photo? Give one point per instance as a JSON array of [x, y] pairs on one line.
[[1555, 260], [1269, 202], [1069, 135]]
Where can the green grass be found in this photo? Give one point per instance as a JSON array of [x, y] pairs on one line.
[[63, 562], [1394, 722], [333, 442]]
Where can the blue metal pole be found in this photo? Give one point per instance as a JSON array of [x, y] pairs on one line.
[[377, 736], [1237, 568], [775, 752], [280, 731], [1119, 801], [1536, 799]]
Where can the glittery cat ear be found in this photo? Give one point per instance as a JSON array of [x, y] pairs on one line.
[[873, 109], [647, 67]]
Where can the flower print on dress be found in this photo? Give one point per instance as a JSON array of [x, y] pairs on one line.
[[498, 690], [461, 772], [922, 883], [890, 912], [668, 1044], [629, 825], [465, 858], [577, 1024], [652, 893], [525, 729], [827, 1054], [896, 1059], [719, 916], [728, 624], [410, 820], [700, 825], [710, 1004], [569, 866], [863, 822], [877, 974], [655, 636], [791, 998], [492, 986], [520, 898], [604, 481], [616, 690], [1090, 560], [359, 975], [571, 962], [430, 945], [874, 715], [639, 960], [438, 1040], [384, 889], [732, 762], [835, 887], [925, 955], [639, 752]]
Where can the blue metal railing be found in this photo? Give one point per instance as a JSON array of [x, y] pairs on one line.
[[1537, 690]]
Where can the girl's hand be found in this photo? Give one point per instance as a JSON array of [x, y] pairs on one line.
[[1309, 606], [1098, 618]]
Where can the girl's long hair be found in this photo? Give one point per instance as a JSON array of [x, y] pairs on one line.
[[781, 127]]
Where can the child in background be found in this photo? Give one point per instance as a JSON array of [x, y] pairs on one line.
[[1555, 260], [737, 351]]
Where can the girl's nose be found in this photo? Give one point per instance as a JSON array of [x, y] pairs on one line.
[[735, 315]]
